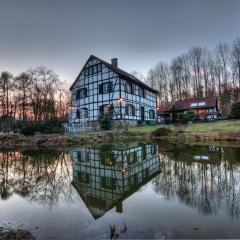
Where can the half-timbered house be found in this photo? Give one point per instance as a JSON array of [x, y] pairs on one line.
[[101, 87]]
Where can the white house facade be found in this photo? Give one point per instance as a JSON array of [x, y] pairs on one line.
[[101, 87]]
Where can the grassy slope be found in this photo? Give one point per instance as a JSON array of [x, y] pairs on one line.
[[222, 127]]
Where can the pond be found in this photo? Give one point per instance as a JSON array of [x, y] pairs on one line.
[[146, 189]]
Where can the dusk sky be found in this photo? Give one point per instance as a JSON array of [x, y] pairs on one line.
[[62, 34]]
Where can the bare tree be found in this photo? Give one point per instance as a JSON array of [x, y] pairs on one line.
[[6, 87], [222, 67], [195, 57], [43, 84], [235, 62], [158, 78], [23, 85]]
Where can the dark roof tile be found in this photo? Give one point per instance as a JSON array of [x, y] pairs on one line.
[[121, 73], [186, 104]]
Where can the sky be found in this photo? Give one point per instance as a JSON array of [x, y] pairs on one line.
[[62, 34]]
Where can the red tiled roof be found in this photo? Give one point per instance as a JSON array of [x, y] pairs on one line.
[[195, 103]]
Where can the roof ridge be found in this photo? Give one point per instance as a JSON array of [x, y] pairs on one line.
[[118, 71]]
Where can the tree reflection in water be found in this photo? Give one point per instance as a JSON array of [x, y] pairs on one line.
[[208, 185], [41, 176], [206, 178]]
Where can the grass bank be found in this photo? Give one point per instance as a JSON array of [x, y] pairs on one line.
[[227, 130], [198, 132]]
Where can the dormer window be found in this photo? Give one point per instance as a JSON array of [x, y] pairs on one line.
[[198, 104]]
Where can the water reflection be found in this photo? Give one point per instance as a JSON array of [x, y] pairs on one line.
[[35, 175], [104, 177], [206, 178]]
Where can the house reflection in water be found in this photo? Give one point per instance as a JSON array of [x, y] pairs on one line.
[[105, 177]]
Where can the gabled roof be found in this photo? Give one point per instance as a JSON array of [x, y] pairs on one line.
[[123, 74], [186, 104]]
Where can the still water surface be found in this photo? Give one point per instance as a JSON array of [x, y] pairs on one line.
[[156, 190]]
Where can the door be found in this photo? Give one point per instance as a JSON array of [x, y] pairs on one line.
[[142, 114]]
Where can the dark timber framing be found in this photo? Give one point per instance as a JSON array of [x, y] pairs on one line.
[[97, 72], [104, 178]]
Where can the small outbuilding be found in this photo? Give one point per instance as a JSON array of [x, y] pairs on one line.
[[205, 108]]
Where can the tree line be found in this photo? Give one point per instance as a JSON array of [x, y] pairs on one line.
[[200, 72], [32, 96]]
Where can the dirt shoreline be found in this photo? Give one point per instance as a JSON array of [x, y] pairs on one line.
[[56, 141]]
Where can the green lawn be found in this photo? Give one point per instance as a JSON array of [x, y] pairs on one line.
[[226, 126]]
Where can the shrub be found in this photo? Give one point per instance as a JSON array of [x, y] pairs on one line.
[[187, 117], [105, 121], [28, 130], [161, 132], [52, 125], [235, 111]]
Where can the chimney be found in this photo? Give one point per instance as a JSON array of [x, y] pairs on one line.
[[114, 62]]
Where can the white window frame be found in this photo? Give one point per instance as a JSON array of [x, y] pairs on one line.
[[83, 113], [105, 87]]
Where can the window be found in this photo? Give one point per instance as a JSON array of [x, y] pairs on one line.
[[128, 87], [81, 93], [141, 92], [145, 173], [106, 109], [107, 157], [130, 110], [108, 182], [83, 177], [78, 114], [153, 149], [133, 180], [132, 157], [82, 113], [198, 104], [99, 67], [144, 153], [151, 114], [86, 73], [211, 110], [90, 70], [201, 104], [93, 69], [83, 156], [105, 88]]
